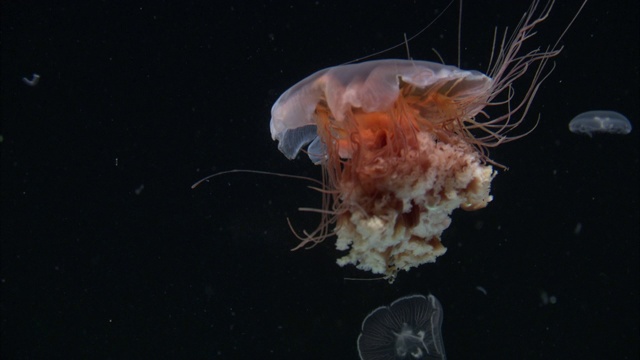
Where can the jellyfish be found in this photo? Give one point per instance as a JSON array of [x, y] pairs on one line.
[[600, 121], [404, 143], [410, 328]]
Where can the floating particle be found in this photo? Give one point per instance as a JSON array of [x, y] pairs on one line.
[[35, 78], [578, 229]]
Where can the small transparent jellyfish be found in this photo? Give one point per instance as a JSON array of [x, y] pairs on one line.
[[410, 328], [600, 121], [403, 143]]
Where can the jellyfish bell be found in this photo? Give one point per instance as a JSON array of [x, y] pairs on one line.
[[402, 144], [410, 328], [329, 99]]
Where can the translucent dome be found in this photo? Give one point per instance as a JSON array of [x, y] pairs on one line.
[[407, 329]]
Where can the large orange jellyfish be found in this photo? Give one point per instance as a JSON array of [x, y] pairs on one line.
[[402, 144]]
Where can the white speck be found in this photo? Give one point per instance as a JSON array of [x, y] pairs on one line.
[[139, 189], [577, 229], [481, 289], [35, 78], [547, 299], [544, 297]]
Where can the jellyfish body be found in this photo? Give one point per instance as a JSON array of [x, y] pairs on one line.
[[410, 328], [402, 145], [384, 130], [600, 121]]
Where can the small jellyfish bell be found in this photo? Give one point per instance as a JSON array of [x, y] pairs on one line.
[[600, 121], [403, 143], [410, 328]]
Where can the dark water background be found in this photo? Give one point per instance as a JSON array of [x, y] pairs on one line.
[[107, 252]]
